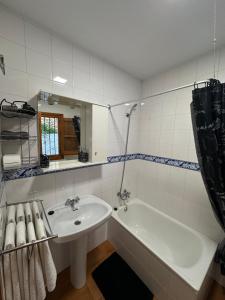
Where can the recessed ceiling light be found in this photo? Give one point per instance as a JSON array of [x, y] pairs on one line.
[[142, 103], [127, 104], [60, 80]]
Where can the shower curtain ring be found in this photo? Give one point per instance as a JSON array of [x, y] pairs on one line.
[[195, 85]]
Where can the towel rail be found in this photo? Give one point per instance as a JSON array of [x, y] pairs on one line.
[[2, 252], [38, 241]]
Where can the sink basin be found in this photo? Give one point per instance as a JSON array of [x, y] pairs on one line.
[[70, 225], [73, 227]]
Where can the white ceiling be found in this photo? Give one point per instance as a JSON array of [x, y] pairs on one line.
[[142, 37]]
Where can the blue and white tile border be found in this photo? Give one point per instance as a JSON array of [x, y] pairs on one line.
[[170, 161], [37, 171]]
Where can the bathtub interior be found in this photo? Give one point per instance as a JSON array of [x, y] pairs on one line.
[[150, 225], [187, 252]]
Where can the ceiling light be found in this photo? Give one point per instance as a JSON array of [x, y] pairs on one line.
[[60, 80], [127, 104], [142, 103]]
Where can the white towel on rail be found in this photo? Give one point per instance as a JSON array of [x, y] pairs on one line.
[[12, 287], [37, 285], [19, 213], [11, 213], [28, 212], [35, 209], [22, 260], [48, 265]]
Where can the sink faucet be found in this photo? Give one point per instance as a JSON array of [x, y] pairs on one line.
[[72, 202]]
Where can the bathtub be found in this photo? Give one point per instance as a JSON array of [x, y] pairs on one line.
[[182, 250]]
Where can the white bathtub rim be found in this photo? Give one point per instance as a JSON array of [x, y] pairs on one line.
[[208, 246]]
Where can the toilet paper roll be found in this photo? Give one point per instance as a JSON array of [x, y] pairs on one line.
[[11, 161]]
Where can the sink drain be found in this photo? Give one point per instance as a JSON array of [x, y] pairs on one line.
[[78, 222]]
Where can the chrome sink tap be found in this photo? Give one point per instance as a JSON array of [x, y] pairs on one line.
[[72, 203]]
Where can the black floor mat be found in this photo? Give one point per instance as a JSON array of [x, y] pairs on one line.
[[117, 281]]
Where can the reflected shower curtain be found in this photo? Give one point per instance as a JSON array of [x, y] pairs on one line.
[[208, 120]]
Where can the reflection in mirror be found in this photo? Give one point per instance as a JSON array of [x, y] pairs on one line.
[[62, 127]]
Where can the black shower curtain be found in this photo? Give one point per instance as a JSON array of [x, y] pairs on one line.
[[208, 120]]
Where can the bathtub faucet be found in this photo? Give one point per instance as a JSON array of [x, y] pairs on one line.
[[124, 196]]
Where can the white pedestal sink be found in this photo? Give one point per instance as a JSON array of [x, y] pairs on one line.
[[73, 226]]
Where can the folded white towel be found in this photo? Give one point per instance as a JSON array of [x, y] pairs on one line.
[[22, 260], [35, 209], [10, 265], [19, 213], [37, 286], [11, 212], [48, 265], [28, 212]]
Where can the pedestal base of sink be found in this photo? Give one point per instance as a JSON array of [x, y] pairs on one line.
[[78, 262]]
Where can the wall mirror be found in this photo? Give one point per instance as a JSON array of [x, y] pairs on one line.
[[71, 130]]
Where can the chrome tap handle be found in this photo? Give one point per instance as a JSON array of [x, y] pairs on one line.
[[77, 199], [68, 202]]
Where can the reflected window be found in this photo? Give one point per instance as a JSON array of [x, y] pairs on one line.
[[51, 126]]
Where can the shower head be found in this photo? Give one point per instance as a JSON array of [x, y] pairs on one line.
[[131, 110], [2, 64]]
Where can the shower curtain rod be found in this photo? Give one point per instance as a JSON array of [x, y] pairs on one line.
[[161, 93]]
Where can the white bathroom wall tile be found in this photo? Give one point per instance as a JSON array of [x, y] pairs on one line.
[[23, 188], [64, 186], [39, 64], [65, 90], [63, 69], [43, 187], [194, 188], [14, 83], [81, 80], [11, 26], [80, 94], [37, 39], [36, 84], [95, 97], [182, 122], [169, 102], [96, 75], [167, 123], [14, 54], [184, 99], [62, 50], [180, 145], [81, 60]]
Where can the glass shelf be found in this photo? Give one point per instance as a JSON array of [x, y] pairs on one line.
[[10, 139], [14, 114]]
